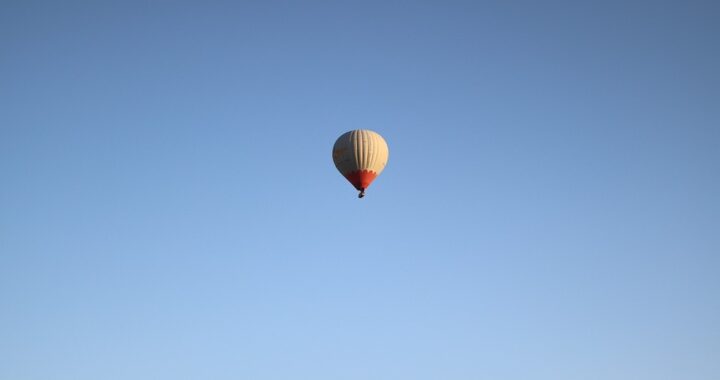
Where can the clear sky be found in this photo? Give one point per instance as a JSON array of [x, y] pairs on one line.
[[169, 208]]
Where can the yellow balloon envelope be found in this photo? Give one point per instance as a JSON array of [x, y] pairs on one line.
[[360, 156]]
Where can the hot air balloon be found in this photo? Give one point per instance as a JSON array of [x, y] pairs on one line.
[[360, 156]]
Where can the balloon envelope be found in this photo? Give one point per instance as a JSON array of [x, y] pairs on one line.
[[360, 156]]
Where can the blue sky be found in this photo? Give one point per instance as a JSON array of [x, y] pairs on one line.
[[169, 208]]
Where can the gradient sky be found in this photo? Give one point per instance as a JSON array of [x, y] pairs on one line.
[[169, 208]]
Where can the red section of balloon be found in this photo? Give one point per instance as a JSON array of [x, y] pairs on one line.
[[361, 179]]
